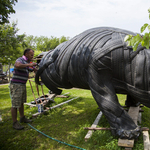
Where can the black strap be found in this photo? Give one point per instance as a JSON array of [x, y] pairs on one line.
[[39, 72]]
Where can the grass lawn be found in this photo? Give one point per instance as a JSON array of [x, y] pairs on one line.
[[65, 123]]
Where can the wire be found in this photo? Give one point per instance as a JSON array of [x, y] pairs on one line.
[[55, 139]]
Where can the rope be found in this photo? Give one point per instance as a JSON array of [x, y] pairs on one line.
[[56, 139]]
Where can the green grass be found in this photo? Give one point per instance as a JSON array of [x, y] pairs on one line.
[[65, 123]]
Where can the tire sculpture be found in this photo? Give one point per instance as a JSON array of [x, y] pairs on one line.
[[99, 60]]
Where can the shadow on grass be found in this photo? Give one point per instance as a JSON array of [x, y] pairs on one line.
[[4, 92], [65, 123]]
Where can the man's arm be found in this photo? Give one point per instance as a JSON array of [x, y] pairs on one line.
[[20, 65]]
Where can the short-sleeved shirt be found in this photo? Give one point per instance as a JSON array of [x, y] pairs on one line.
[[20, 75]]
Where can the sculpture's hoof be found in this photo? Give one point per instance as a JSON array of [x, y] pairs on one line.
[[127, 134]]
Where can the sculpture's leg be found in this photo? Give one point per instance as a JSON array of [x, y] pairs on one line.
[[131, 102], [104, 94]]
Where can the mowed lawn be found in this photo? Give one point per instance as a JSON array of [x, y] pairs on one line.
[[65, 124]]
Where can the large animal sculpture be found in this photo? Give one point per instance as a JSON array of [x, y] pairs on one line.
[[99, 60]]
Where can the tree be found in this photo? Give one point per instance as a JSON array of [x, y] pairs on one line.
[[43, 43], [10, 43], [63, 39], [30, 42], [144, 40], [6, 8]]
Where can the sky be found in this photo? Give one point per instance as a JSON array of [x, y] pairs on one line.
[[71, 17]]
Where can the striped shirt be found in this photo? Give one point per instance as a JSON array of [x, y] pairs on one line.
[[20, 75]]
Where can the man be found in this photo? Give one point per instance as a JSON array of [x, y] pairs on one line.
[[18, 87]]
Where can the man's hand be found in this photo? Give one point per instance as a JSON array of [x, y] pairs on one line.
[[35, 70], [32, 64]]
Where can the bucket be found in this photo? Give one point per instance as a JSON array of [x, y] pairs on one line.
[[40, 108]]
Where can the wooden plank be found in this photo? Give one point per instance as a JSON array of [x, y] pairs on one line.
[[133, 113], [49, 108], [93, 128], [94, 125], [36, 114], [63, 103], [140, 118], [51, 96], [146, 140], [126, 143], [29, 104], [62, 96]]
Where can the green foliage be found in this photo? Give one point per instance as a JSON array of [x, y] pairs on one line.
[[6, 8], [10, 43], [13, 45], [63, 39], [134, 41], [36, 53], [65, 123], [43, 43]]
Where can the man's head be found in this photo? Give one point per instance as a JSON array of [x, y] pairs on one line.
[[29, 53]]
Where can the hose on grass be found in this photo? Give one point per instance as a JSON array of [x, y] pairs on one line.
[[56, 139]]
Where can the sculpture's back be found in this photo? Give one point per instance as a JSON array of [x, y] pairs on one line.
[[99, 60]]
